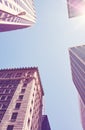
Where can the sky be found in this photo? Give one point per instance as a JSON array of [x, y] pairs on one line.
[[45, 45]]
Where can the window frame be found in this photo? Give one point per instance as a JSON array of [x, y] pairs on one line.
[[17, 106], [14, 116]]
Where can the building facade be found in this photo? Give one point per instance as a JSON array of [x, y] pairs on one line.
[[16, 14], [77, 60], [45, 123], [21, 95]]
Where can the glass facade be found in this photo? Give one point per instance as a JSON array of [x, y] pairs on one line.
[[77, 60]]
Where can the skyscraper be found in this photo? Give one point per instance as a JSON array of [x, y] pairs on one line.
[[16, 14], [77, 59], [76, 8], [45, 123], [21, 95]]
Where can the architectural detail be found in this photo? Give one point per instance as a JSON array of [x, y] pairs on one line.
[[16, 14], [77, 59], [21, 95], [45, 123]]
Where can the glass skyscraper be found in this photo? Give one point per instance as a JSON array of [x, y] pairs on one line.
[[77, 60]]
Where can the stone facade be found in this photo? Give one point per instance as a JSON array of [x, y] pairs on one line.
[[23, 98]]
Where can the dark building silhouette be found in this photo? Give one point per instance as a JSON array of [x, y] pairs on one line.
[[45, 123]]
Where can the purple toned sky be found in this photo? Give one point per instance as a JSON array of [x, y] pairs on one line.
[[46, 45]]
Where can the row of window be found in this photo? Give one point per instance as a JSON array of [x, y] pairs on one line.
[[13, 74], [8, 97], [3, 106], [7, 91], [31, 109], [17, 106], [5, 87], [14, 115], [5, 98], [9, 82], [9, 75]]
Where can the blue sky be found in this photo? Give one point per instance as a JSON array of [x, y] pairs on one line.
[[46, 45]]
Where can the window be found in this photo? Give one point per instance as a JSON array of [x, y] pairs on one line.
[[20, 97], [33, 94], [32, 102], [28, 121], [30, 110], [10, 5], [23, 90], [17, 105], [10, 127], [9, 97], [9, 86], [6, 3], [18, 74], [8, 75], [14, 116], [3, 97], [4, 106], [25, 84], [7, 91]]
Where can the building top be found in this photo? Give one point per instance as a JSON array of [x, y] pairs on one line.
[[30, 71], [79, 52]]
